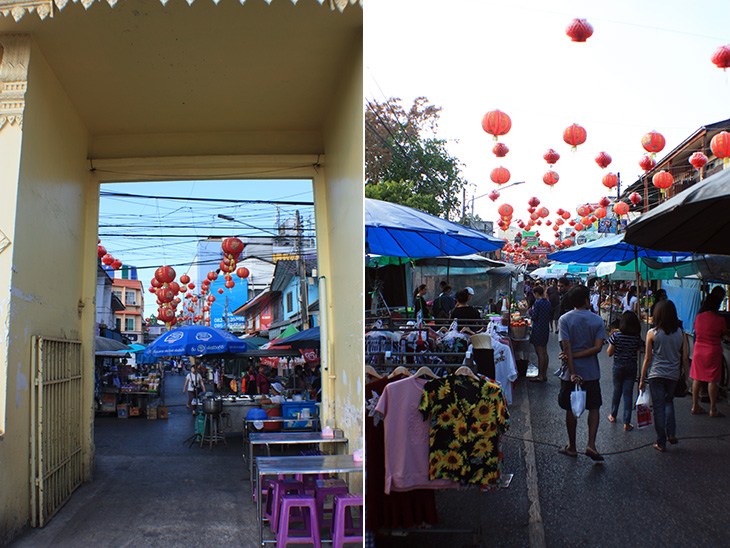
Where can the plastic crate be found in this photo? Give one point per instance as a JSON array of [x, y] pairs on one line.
[[295, 410], [123, 411]]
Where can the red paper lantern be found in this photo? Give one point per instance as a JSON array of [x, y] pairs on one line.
[[184, 279], [603, 160], [721, 57], [551, 157], [165, 294], [230, 284], [230, 267], [647, 163], [100, 251], [242, 272], [574, 135], [220, 290], [191, 286], [117, 264], [635, 198], [107, 259], [212, 275], [175, 287], [500, 150], [698, 160], [167, 315], [496, 123], [567, 242], [152, 290], [578, 227], [601, 213], [550, 178], [566, 215], [583, 210], [506, 210], [165, 274], [720, 146], [494, 195], [533, 202], [543, 212], [620, 208], [232, 246], [211, 299], [604, 202], [663, 180], [500, 175], [609, 180], [653, 142], [579, 30]]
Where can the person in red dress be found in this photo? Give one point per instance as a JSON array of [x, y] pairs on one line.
[[710, 327]]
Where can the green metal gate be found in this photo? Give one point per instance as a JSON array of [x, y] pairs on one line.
[[56, 426]]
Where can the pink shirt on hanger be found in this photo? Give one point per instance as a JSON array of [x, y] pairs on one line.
[[406, 438]]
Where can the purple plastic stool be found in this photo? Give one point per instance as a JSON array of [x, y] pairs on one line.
[[323, 489], [274, 494], [307, 508], [342, 529], [309, 480]]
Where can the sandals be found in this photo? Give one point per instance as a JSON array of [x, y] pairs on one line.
[[699, 411], [628, 427], [566, 451], [593, 455], [611, 418], [717, 415], [673, 440], [660, 449]]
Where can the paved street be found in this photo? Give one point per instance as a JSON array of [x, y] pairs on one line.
[[636, 497]]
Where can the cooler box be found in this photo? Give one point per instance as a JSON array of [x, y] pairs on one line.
[[296, 410]]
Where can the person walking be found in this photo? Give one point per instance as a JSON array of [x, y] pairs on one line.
[[541, 318], [710, 328], [624, 346], [630, 301], [193, 385], [666, 350], [565, 303], [443, 304], [581, 335], [553, 296], [419, 302]]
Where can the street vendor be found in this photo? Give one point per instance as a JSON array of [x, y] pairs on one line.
[[262, 381]]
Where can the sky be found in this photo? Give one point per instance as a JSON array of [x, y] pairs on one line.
[[646, 67], [136, 230]]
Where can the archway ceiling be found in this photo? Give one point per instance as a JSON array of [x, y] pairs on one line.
[[143, 68]]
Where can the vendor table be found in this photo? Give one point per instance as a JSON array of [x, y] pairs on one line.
[[283, 438], [311, 424], [323, 464]]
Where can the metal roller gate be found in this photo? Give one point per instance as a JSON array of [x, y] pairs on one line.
[[56, 425]]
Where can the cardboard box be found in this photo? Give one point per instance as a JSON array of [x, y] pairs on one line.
[[162, 411], [134, 411], [123, 411], [152, 413]]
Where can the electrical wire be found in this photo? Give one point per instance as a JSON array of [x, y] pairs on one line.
[[630, 450]]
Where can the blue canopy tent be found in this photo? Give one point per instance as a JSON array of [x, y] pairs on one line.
[[304, 340], [195, 340], [610, 248], [400, 231]]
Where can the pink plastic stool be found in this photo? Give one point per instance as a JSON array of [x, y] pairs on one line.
[[323, 489], [307, 509], [342, 529], [274, 494]]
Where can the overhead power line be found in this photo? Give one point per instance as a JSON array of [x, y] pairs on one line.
[[104, 193]]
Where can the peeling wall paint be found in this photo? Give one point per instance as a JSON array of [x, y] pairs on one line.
[[21, 386]]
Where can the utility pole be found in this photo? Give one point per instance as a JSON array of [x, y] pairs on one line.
[[302, 277]]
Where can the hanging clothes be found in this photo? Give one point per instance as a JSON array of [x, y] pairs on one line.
[[406, 438], [468, 417], [505, 366], [398, 509]]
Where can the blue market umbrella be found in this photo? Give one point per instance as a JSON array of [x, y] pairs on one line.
[[304, 340], [195, 340], [400, 231], [611, 248]]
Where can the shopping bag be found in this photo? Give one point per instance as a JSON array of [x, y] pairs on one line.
[[578, 400], [643, 409]]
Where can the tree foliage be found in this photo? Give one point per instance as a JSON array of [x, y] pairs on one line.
[[404, 161]]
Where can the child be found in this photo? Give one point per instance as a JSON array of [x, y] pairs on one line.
[[624, 346]]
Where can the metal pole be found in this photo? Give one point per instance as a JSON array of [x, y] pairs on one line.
[[302, 278]]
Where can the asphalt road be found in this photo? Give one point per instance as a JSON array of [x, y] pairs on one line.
[[636, 497]]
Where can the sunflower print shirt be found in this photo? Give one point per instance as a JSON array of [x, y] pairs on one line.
[[468, 417]]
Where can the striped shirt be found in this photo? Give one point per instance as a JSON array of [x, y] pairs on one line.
[[626, 348]]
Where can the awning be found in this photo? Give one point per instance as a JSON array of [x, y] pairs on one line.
[[105, 344]]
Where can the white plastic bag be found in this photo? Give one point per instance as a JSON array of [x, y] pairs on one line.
[[643, 409], [578, 400]]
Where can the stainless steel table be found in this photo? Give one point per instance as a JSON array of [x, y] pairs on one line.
[[312, 424], [323, 464], [283, 438]]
